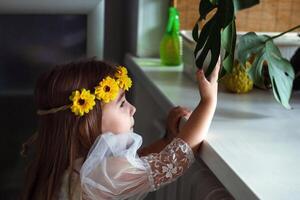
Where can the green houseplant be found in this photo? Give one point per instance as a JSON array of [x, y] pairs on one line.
[[219, 34]]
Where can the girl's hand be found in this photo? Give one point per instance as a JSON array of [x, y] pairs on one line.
[[208, 88], [172, 130], [173, 120]]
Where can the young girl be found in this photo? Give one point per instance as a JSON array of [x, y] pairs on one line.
[[85, 147]]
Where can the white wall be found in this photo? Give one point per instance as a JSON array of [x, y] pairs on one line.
[[152, 18], [95, 31]]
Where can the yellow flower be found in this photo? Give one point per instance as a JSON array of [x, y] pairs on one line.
[[107, 89], [121, 71], [124, 82], [83, 102]]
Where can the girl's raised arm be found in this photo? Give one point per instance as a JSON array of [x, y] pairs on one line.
[[196, 127]]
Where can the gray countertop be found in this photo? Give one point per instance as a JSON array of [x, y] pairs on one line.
[[253, 145]]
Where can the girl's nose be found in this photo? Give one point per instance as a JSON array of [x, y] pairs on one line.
[[133, 109]]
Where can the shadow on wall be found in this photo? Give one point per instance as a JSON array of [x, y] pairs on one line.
[[18, 122], [46, 40]]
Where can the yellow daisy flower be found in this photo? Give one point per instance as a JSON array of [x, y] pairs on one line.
[[121, 71], [124, 82], [83, 102], [107, 89]]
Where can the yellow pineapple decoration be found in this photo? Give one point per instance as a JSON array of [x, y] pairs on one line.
[[238, 81]]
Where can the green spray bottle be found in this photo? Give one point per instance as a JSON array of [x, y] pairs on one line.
[[171, 43]]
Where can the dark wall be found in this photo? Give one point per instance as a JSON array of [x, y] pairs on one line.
[[18, 119], [120, 29]]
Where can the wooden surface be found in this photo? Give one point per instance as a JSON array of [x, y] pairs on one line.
[[267, 16]]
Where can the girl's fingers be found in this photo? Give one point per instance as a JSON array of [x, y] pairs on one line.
[[201, 76], [177, 113], [186, 111], [214, 75], [187, 115], [174, 111], [180, 113]]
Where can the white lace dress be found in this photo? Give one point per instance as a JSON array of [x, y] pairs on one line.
[[113, 170]]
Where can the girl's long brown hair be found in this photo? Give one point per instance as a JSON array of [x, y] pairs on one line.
[[62, 137]]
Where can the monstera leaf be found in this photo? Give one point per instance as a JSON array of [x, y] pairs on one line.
[[228, 40], [209, 39], [280, 70], [219, 31]]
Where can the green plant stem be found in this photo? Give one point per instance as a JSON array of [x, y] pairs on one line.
[[276, 36]]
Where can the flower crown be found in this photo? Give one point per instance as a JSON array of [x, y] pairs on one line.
[[107, 90]]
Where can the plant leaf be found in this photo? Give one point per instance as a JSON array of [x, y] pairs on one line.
[[225, 12], [215, 53], [212, 44], [209, 39], [281, 74], [250, 44], [280, 70], [228, 40], [256, 71], [210, 36], [205, 7], [242, 4], [204, 34], [195, 31]]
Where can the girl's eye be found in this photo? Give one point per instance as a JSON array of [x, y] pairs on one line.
[[122, 104]]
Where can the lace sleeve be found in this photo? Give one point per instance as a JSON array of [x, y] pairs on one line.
[[170, 163]]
